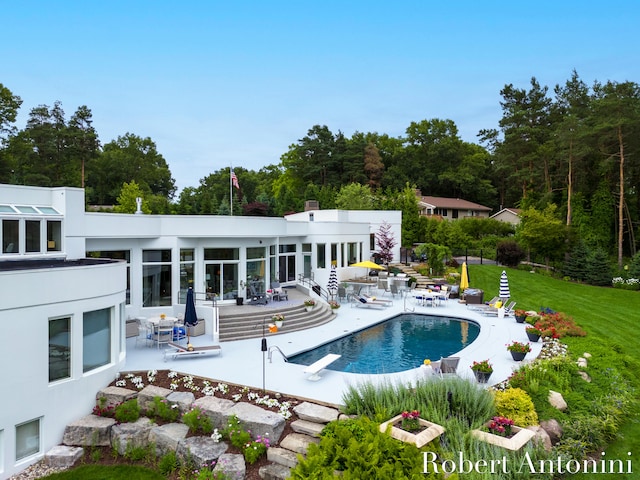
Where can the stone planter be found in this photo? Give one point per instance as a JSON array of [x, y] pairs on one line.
[[430, 432], [520, 318], [482, 377], [518, 356], [334, 311], [278, 323], [519, 438], [308, 308], [533, 337]]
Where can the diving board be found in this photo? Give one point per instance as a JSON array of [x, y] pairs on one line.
[[321, 364]]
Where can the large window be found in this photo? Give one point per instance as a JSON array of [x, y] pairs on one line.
[[10, 238], [59, 348], [156, 278], [352, 252], [96, 339], [187, 265], [27, 439], [54, 235], [221, 271], [32, 233], [321, 255], [334, 254], [287, 263]]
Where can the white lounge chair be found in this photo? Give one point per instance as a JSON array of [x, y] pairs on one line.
[[176, 350]]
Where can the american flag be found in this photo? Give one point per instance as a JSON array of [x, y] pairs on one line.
[[234, 180]]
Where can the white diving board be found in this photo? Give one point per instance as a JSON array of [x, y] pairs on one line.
[[321, 364]]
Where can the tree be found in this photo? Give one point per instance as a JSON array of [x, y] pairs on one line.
[[129, 158], [373, 166], [542, 232], [617, 110], [127, 199], [355, 197], [9, 106], [386, 242]]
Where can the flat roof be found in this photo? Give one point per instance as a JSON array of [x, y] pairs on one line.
[[44, 263]]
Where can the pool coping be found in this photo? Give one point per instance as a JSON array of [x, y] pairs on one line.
[[243, 361]]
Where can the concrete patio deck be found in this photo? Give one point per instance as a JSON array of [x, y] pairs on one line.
[[241, 362]]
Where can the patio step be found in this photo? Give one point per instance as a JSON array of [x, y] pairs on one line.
[[240, 326]]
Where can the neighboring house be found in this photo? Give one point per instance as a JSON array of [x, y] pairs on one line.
[[450, 208], [70, 279], [509, 215]]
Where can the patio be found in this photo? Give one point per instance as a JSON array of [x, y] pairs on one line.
[[241, 362]]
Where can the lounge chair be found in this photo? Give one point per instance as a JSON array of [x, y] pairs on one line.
[[508, 310], [383, 301], [448, 365], [176, 350], [482, 306], [360, 301]]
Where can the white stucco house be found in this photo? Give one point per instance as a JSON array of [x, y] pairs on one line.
[[70, 279]]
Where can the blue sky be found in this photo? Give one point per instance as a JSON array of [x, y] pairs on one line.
[[217, 83]]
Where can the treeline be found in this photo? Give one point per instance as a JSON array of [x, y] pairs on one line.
[[570, 154]]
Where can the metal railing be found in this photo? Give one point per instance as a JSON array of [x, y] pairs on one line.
[[323, 293]]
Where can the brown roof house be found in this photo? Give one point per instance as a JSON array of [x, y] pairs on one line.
[[509, 215], [450, 208]]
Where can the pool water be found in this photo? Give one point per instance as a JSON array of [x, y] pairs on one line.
[[395, 345]]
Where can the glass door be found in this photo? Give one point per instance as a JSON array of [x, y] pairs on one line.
[[221, 280]]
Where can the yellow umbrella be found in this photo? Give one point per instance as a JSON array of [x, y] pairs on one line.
[[368, 264], [464, 277]]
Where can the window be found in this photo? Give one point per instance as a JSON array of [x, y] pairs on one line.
[[59, 348], [10, 238], [454, 213], [187, 264], [54, 236], [221, 254], [321, 259], [372, 241], [156, 278], [351, 247], [27, 439], [32, 234], [96, 339], [117, 255], [334, 254]]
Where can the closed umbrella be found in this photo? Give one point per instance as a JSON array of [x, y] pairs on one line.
[[464, 277], [190, 315], [504, 292], [332, 286]]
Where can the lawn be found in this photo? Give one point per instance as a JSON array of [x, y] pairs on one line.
[[609, 316]]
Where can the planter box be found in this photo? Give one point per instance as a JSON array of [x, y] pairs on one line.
[[516, 442], [197, 330], [431, 431]]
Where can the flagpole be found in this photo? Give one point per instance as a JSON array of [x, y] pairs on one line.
[[230, 191]]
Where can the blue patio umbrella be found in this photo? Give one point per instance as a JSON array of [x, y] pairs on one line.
[[190, 315]]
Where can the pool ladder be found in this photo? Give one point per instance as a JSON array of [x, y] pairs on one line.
[[276, 348]]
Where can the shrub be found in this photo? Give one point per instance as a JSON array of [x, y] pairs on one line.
[[197, 421], [162, 409], [168, 463], [104, 410], [509, 253], [372, 454], [128, 411], [255, 449], [516, 404], [235, 433]]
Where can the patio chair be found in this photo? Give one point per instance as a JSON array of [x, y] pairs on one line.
[[279, 293], [508, 310], [257, 298], [163, 333], [449, 366], [145, 331], [342, 293]]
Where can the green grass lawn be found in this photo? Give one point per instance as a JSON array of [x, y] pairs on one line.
[[610, 317]]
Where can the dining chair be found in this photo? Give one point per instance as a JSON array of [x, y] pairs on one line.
[[164, 332]]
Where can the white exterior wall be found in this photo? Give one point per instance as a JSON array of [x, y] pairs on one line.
[[30, 299]]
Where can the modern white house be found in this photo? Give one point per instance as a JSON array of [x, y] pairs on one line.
[[70, 279]]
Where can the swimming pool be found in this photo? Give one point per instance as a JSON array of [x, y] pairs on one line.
[[395, 345]]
